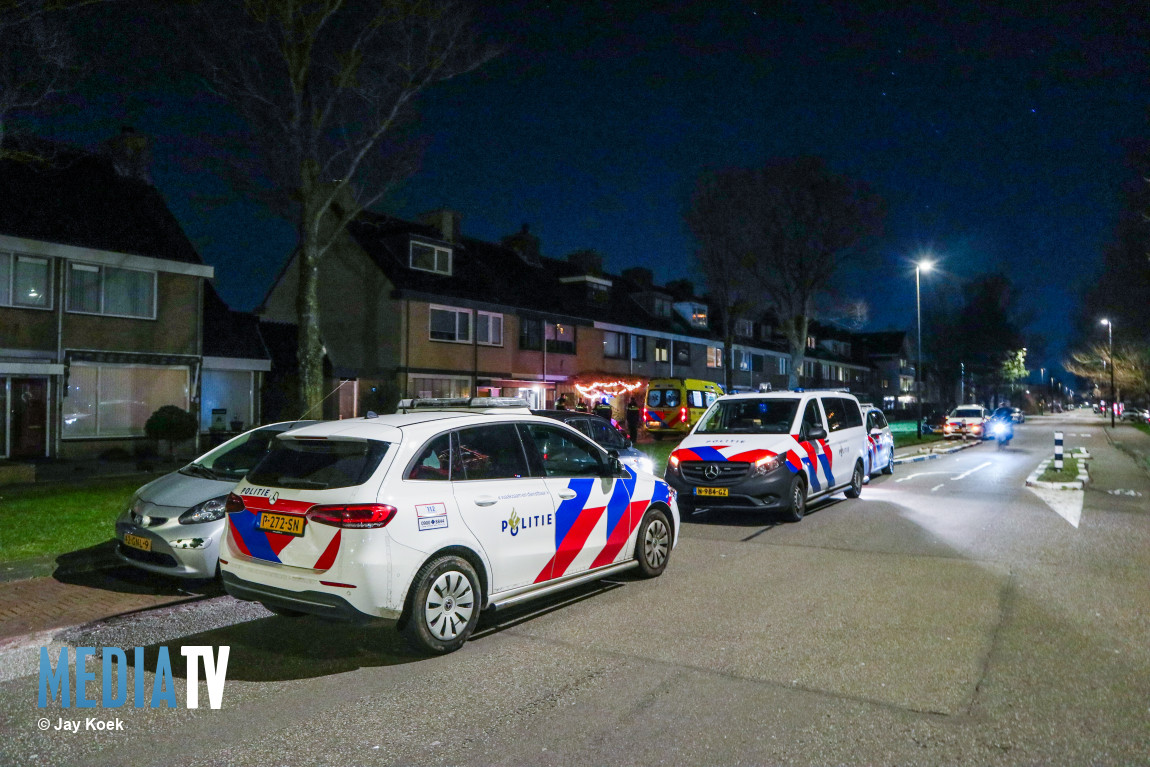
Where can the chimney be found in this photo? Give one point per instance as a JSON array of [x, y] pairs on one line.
[[526, 245], [445, 221], [130, 154]]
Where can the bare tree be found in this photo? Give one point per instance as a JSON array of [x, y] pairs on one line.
[[1131, 368], [325, 87], [786, 228], [36, 56]]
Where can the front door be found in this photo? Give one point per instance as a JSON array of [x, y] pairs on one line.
[[29, 417], [509, 511]]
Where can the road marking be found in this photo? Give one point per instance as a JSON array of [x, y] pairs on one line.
[[936, 487], [1131, 493], [919, 474], [966, 474], [1067, 504]]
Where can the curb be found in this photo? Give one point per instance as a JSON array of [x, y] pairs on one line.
[[1078, 484], [933, 454], [100, 557]]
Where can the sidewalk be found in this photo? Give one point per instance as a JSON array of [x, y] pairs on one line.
[[1131, 441]]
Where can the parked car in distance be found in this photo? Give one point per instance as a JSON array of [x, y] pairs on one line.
[[1136, 415], [173, 524], [605, 434], [1017, 415], [965, 421], [880, 441]]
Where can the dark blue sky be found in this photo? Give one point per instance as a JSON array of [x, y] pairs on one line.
[[995, 134]]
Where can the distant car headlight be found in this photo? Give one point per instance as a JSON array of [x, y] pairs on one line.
[[641, 464], [208, 511], [767, 464]]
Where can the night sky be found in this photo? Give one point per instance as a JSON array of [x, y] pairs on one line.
[[995, 134]]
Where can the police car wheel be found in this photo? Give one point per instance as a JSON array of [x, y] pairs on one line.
[[854, 489], [444, 606], [798, 499], [653, 546], [889, 468]]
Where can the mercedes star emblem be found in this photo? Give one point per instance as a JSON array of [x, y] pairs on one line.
[[711, 472]]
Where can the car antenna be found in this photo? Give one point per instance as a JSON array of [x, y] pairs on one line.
[[305, 413]]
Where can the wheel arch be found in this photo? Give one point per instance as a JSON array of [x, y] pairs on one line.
[[470, 556], [666, 509]]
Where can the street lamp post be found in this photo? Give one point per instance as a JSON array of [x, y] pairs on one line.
[[1110, 335], [921, 266]]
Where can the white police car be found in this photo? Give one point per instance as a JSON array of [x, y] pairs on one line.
[[428, 516], [771, 451]]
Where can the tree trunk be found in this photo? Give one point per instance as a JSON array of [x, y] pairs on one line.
[[310, 350], [796, 329], [728, 352]]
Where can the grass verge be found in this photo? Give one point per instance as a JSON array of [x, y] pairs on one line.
[[49, 520], [910, 439], [1069, 471], [658, 452]]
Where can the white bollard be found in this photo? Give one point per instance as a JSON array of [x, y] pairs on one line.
[[1058, 451]]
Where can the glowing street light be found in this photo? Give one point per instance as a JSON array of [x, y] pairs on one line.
[[921, 266], [1110, 333]]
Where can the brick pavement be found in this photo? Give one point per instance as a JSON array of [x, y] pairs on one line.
[[39, 604]]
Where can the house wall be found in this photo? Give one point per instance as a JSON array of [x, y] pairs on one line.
[[174, 331], [30, 329]]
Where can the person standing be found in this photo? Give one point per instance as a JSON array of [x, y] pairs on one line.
[[603, 409], [561, 403], [581, 406], [633, 420]]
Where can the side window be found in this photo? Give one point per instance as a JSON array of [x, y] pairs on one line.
[[582, 425], [710, 398], [606, 435], [490, 452], [836, 413], [562, 454], [434, 461], [880, 420], [871, 421], [811, 419], [851, 413]]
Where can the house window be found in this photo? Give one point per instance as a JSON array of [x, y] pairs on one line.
[[450, 324], [560, 338], [231, 391], [615, 345], [744, 328], [756, 363], [111, 291], [808, 369], [117, 400], [885, 383], [489, 329], [25, 281], [682, 354], [699, 315], [810, 342], [662, 307], [530, 335], [714, 356], [438, 386], [430, 258], [639, 348], [662, 350], [784, 366]]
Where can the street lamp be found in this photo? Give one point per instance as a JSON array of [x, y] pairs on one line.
[[920, 266], [1110, 333]]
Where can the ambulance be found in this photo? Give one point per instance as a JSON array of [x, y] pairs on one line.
[[428, 516], [673, 405]]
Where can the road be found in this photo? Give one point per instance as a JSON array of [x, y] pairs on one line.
[[948, 616]]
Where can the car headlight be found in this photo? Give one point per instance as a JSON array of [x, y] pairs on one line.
[[208, 511], [641, 463], [767, 464], [673, 462], [999, 428]]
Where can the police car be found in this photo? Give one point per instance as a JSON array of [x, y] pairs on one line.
[[430, 515], [771, 451]]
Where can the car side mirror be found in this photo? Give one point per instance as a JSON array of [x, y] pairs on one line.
[[626, 442], [614, 466], [816, 432]]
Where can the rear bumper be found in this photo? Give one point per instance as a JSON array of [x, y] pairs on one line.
[[318, 603]]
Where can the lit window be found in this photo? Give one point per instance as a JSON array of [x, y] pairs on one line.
[[662, 350], [714, 357], [24, 281]]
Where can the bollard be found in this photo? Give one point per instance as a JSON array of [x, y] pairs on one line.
[[1058, 451]]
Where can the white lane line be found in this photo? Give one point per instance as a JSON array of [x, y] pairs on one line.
[[936, 487], [966, 474], [919, 474]]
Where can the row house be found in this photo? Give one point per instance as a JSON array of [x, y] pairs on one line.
[[102, 302], [416, 309]]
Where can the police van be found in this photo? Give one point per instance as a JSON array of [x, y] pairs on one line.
[[428, 516], [771, 451]]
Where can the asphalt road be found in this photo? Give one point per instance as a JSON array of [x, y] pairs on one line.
[[948, 616]]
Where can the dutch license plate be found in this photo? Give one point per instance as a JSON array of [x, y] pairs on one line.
[[281, 523], [138, 542], [711, 491]]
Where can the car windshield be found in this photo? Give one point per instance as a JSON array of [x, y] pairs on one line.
[[750, 416], [234, 459], [318, 464], [966, 412]]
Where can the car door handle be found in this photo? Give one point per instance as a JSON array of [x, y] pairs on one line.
[[566, 494], [486, 500]]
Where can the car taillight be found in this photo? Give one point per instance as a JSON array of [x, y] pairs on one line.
[[234, 504], [353, 516]]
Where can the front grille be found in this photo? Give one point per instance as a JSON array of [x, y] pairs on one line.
[[730, 472], [148, 557]]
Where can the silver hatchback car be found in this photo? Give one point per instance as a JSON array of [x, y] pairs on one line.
[[173, 524]]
